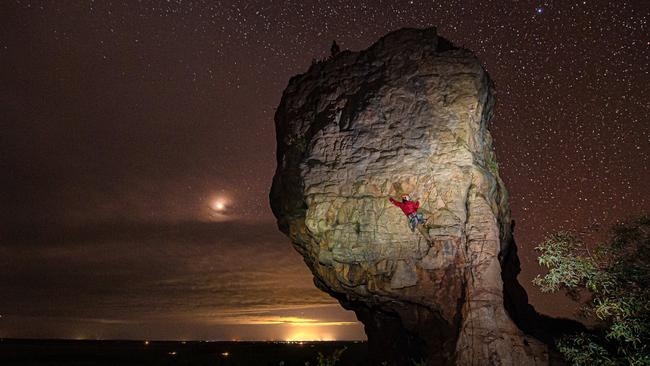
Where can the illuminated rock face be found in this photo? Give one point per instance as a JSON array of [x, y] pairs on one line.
[[408, 115]]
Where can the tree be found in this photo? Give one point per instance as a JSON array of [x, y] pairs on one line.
[[616, 276], [332, 359]]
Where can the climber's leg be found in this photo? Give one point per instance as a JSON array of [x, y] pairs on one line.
[[425, 233], [413, 221]]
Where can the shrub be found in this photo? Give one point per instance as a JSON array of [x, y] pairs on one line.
[[616, 275]]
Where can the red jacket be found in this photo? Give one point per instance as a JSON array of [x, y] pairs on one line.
[[408, 207]]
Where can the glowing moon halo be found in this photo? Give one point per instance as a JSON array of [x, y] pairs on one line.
[[217, 205]]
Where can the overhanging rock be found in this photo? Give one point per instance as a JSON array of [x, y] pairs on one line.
[[408, 115]]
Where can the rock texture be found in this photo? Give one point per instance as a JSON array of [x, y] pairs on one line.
[[408, 115]]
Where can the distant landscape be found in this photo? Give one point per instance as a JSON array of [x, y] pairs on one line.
[[32, 352]]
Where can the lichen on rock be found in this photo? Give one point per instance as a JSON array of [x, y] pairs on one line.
[[408, 115]]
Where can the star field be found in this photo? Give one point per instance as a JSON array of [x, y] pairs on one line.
[[135, 115]]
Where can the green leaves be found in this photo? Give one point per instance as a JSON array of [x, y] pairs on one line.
[[566, 269], [616, 276], [582, 350], [332, 359]]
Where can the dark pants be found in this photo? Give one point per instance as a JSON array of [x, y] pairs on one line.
[[415, 219]]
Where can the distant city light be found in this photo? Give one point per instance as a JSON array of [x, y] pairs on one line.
[[306, 335], [225, 354]]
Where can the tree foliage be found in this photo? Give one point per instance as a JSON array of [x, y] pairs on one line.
[[616, 275], [332, 359]]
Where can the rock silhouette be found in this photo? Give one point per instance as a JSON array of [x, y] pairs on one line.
[[408, 115]]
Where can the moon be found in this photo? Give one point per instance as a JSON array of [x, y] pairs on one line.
[[218, 205]]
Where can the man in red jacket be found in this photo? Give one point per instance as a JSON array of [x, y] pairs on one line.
[[415, 218]]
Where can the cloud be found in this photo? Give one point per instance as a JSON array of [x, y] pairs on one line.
[[193, 275], [197, 232], [290, 321]]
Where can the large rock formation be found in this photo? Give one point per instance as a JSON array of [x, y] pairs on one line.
[[408, 115]]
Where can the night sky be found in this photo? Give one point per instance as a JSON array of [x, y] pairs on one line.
[[137, 148]]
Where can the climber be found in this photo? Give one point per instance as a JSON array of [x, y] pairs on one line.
[[416, 219], [335, 49]]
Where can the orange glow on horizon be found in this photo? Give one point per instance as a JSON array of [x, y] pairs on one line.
[[290, 320], [306, 335], [293, 327]]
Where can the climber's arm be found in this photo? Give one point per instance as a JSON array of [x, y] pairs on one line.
[[393, 201]]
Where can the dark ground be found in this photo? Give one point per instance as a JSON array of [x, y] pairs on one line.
[[94, 353]]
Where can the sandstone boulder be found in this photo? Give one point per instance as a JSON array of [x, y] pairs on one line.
[[408, 115]]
